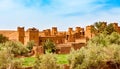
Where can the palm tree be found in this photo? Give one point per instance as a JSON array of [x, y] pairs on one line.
[[98, 27], [101, 27], [109, 29]]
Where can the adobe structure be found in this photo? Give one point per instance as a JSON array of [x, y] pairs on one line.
[[63, 39]]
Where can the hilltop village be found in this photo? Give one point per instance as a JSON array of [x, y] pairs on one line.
[[64, 40]]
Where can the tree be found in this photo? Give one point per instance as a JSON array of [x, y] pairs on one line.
[[3, 38], [114, 38], [101, 51], [104, 39], [16, 48], [49, 46], [46, 61], [109, 29], [30, 45], [99, 27], [7, 60]]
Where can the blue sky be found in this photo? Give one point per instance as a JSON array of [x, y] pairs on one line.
[[44, 14]]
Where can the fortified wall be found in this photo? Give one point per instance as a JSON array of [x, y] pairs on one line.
[[65, 40], [59, 37]]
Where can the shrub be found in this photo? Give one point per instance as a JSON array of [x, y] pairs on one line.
[[100, 51], [46, 61], [7, 60], [94, 57], [16, 48], [30, 45], [49, 46], [3, 38]]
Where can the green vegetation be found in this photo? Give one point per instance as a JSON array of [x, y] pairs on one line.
[[46, 61], [3, 38], [29, 61], [62, 58], [7, 59], [49, 46], [99, 28], [16, 48], [100, 51], [30, 45], [8, 51]]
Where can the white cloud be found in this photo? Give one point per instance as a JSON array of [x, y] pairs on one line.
[[6, 5], [14, 13]]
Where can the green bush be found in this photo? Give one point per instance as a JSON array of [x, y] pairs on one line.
[[94, 57], [7, 60], [46, 61], [30, 45], [104, 39], [3, 38], [49, 46], [99, 51], [15, 48]]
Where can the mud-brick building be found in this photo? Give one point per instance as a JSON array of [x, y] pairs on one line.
[[78, 35], [64, 40], [58, 37]]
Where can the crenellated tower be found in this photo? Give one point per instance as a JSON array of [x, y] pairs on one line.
[[21, 34], [88, 32], [54, 31], [70, 30], [77, 29], [33, 34], [47, 32]]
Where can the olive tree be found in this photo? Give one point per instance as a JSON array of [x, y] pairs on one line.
[[46, 61], [49, 46], [7, 59], [101, 51], [30, 45]]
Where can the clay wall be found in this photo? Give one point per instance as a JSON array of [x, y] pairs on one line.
[[55, 39], [64, 50], [88, 32], [7, 33], [47, 32], [71, 38], [70, 31], [33, 34], [38, 50], [13, 36], [77, 29], [54, 31], [77, 45], [119, 29], [21, 34], [26, 39]]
